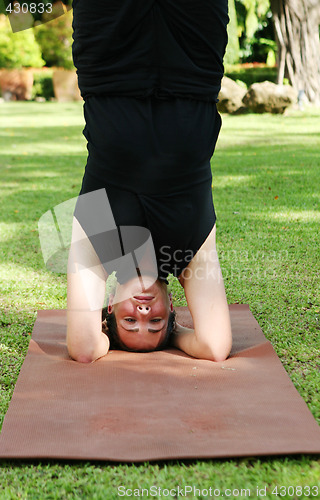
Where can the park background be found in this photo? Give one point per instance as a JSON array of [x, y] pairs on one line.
[[266, 194]]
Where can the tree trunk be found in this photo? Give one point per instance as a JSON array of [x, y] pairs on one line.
[[296, 24]]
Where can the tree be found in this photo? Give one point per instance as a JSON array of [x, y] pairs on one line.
[[296, 25], [54, 36], [256, 38], [232, 53], [18, 50]]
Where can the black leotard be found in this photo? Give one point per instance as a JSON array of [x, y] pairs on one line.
[[150, 47], [149, 143]]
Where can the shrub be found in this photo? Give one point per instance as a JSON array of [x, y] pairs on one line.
[[19, 49], [251, 73], [55, 41], [42, 85]]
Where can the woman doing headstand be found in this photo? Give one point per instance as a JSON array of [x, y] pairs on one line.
[[149, 72]]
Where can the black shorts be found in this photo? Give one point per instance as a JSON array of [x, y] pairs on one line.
[[152, 156]]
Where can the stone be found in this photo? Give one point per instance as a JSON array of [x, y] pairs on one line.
[[267, 97], [65, 85], [16, 84], [230, 96]]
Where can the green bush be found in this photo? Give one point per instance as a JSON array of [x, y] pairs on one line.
[[19, 49], [55, 41], [42, 86], [251, 74]]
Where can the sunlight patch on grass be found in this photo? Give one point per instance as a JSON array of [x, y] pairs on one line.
[[232, 180], [4, 348], [296, 215]]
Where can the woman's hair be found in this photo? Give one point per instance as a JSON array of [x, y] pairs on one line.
[[109, 327]]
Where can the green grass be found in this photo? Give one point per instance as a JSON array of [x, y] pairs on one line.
[[266, 188]]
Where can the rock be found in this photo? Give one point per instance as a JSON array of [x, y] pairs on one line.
[[65, 85], [230, 96], [267, 97], [16, 84]]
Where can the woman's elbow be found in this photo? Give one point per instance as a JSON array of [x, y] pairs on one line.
[[216, 352], [90, 351], [219, 356], [80, 355], [82, 358], [216, 356]]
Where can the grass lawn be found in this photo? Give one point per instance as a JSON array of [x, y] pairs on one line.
[[266, 188]]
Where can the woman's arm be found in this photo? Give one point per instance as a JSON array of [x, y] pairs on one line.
[[185, 340], [85, 298], [204, 290]]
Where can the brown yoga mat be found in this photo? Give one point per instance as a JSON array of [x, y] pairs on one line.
[[131, 407]]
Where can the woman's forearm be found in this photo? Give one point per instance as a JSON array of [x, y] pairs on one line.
[[85, 297], [186, 340]]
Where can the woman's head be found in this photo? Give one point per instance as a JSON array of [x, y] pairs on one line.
[[139, 316]]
